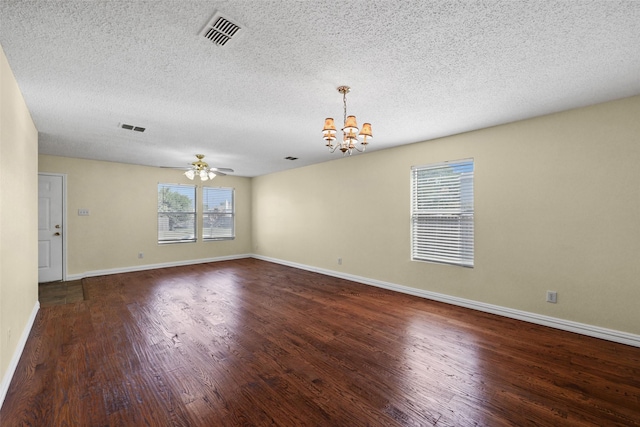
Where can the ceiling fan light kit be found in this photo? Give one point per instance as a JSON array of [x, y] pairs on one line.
[[349, 131], [200, 168]]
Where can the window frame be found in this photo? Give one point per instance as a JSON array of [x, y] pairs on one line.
[[193, 213], [444, 232], [206, 213]]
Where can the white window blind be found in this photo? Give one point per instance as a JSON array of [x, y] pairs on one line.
[[176, 213], [442, 213], [218, 213]]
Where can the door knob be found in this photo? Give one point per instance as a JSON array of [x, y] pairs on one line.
[[57, 225], [56, 234]]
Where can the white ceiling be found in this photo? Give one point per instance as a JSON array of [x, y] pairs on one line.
[[418, 70]]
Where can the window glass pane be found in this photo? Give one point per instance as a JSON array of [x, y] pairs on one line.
[[218, 213], [176, 213], [442, 213]]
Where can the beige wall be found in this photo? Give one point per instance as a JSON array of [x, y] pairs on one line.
[[18, 216], [122, 200], [557, 202]]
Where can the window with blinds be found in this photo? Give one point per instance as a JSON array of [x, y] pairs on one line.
[[176, 213], [218, 214], [442, 213]]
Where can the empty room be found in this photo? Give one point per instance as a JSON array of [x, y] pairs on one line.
[[319, 213]]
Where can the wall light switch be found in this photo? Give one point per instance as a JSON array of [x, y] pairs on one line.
[[83, 212]]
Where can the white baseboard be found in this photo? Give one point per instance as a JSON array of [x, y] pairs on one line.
[[133, 268], [553, 322], [11, 369]]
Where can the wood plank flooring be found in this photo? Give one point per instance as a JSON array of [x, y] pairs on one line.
[[251, 343]]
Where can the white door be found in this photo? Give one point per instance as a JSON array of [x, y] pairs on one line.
[[50, 208]]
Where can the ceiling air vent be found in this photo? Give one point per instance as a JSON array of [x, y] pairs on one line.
[[131, 127], [220, 30]]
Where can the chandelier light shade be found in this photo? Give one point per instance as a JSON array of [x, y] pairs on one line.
[[350, 129], [329, 130], [200, 168]]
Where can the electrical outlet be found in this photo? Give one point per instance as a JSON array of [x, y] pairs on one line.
[[83, 212], [140, 255], [339, 261], [552, 297]]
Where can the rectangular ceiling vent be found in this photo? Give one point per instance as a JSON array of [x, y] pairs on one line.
[[220, 30], [131, 127]]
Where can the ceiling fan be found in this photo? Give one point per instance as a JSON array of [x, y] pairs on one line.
[[201, 168]]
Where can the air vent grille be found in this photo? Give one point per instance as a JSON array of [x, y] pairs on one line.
[[220, 30], [131, 127]]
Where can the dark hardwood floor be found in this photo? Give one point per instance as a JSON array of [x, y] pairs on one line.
[[247, 342]]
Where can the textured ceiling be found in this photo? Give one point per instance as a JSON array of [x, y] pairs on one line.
[[418, 70]]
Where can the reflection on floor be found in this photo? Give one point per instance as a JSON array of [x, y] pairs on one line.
[[57, 293]]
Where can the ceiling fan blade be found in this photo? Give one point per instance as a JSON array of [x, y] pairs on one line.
[[175, 167], [222, 170]]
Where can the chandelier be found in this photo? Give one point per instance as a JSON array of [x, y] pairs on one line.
[[349, 131], [200, 168]]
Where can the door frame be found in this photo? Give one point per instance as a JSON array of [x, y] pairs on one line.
[[64, 219]]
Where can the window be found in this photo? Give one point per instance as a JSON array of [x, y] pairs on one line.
[[217, 214], [176, 213], [442, 213]]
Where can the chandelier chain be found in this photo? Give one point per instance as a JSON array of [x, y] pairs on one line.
[[344, 102]]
